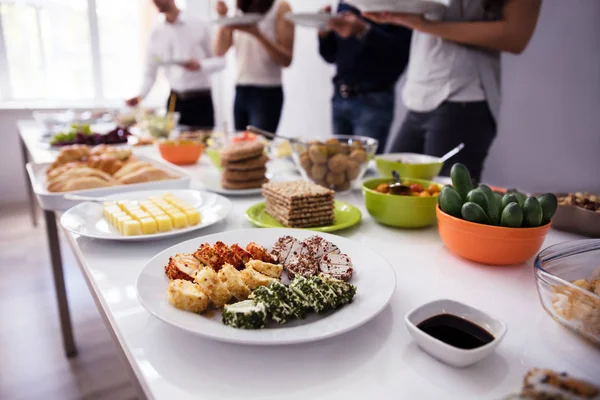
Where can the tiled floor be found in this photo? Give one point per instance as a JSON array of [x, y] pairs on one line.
[[32, 362]]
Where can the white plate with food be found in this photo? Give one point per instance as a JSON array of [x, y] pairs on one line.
[[212, 183], [310, 20], [245, 19], [146, 215], [338, 286], [403, 6], [99, 171]]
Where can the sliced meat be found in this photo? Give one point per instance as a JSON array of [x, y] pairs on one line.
[[338, 266], [283, 247], [182, 266], [318, 247], [258, 252]]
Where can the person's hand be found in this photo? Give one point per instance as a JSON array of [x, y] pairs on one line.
[[221, 8], [192, 65], [347, 24], [412, 21], [325, 30], [134, 101], [249, 29]]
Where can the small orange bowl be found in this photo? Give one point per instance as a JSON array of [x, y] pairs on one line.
[[180, 152], [491, 245]]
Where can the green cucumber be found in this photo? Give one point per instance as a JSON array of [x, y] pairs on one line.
[[474, 213], [461, 180], [512, 215], [549, 204], [532, 212], [450, 201], [520, 196], [477, 196], [507, 199], [498, 197], [493, 210]]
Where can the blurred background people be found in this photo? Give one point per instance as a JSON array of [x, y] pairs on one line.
[[182, 44], [262, 51], [369, 59], [452, 88]]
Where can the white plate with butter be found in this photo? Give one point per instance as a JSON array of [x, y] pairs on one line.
[[88, 220]]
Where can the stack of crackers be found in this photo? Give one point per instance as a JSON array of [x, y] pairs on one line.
[[244, 165], [299, 204]]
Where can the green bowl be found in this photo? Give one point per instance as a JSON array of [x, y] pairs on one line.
[[400, 211], [417, 166]]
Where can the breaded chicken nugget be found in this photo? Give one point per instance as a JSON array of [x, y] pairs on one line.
[[210, 284], [232, 278]]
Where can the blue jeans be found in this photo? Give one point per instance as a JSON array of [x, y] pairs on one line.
[[369, 114], [258, 106]]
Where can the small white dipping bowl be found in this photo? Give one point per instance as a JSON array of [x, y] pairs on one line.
[[449, 354]]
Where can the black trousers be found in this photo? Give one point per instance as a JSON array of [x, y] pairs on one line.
[[196, 112], [258, 106], [439, 131]]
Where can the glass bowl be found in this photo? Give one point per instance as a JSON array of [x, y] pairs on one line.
[[568, 282], [159, 125], [336, 163]]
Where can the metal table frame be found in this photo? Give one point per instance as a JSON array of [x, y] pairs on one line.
[[55, 258]]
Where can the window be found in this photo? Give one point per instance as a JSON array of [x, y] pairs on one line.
[[50, 46]]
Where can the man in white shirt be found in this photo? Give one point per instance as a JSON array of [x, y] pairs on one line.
[[183, 46]]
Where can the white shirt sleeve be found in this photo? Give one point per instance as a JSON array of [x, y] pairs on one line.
[[151, 69], [211, 64]]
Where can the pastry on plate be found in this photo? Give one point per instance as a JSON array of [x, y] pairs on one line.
[[143, 175]]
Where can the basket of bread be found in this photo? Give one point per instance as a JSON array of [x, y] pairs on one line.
[[99, 170]]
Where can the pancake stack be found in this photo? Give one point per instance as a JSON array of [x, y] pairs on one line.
[[299, 204], [244, 166]]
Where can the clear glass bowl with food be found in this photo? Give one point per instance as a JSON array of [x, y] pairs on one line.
[[336, 163], [568, 283], [159, 125]]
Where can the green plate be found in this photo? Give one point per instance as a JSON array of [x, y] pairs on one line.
[[346, 216]]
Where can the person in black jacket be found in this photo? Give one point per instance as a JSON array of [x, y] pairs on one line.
[[369, 58]]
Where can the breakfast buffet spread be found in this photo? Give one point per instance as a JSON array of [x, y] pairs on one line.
[[299, 280]]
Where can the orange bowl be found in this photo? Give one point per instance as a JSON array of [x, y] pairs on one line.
[[180, 152], [491, 245]]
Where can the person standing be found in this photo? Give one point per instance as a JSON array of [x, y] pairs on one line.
[[183, 45], [262, 51], [452, 88], [369, 59]]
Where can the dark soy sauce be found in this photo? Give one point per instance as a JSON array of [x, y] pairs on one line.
[[455, 331]]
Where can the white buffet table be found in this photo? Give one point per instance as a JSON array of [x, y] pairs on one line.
[[378, 360]]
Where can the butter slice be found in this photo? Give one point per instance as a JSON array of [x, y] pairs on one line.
[[164, 223], [179, 219], [193, 216], [148, 226], [139, 215], [114, 216], [120, 221], [131, 228]]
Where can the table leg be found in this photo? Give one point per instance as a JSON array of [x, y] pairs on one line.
[[59, 284], [28, 184]]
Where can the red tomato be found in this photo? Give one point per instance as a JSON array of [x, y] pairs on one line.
[[244, 137]]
